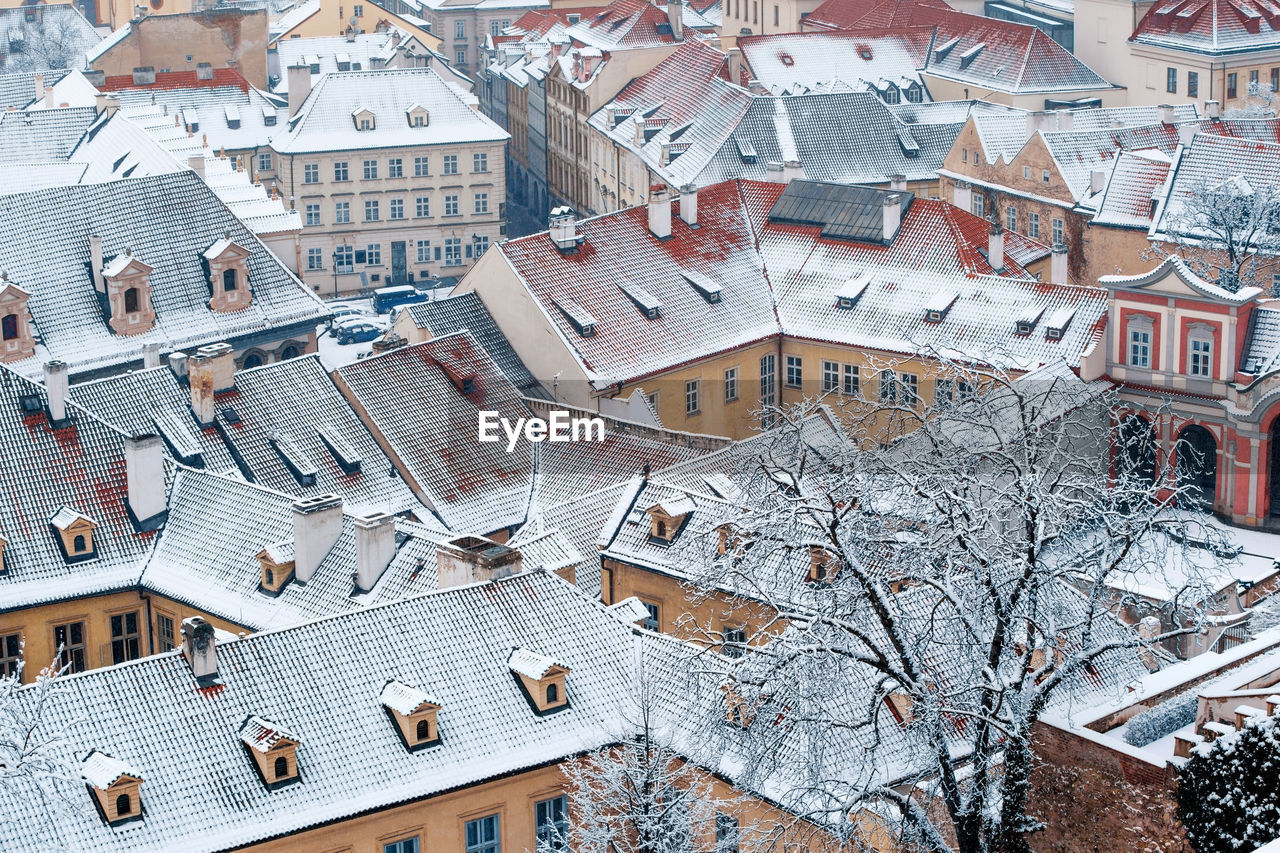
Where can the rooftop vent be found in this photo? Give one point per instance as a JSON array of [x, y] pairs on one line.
[[1058, 323], [274, 751], [1026, 324], [577, 315], [543, 680], [967, 58], [648, 304], [302, 468], [935, 310], [707, 289], [347, 457], [414, 712], [851, 291]]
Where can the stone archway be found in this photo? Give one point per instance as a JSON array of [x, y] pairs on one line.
[[1197, 455], [1273, 468], [1137, 452]]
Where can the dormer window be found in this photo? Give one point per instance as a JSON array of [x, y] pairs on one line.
[[228, 276], [542, 678], [364, 119], [128, 286], [668, 518], [16, 340], [936, 309], [823, 565], [74, 532], [276, 563], [418, 116], [116, 787], [414, 712], [274, 751]]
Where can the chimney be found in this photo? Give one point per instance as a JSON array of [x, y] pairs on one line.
[[689, 205], [375, 547], [891, 216], [204, 71], [792, 170], [100, 102], [196, 162], [675, 15], [178, 364], [317, 523], [773, 172], [564, 228], [755, 87], [898, 183], [55, 385], [639, 130], [200, 646], [112, 104], [1058, 264], [150, 355], [95, 263], [1213, 110], [734, 57], [962, 195], [39, 81], [1097, 181], [144, 477], [1166, 113], [48, 98], [995, 247], [660, 212], [211, 369], [144, 76], [1186, 133], [474, 559], [299, 86]]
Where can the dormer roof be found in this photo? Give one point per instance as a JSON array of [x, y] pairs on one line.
[[405, 700], [221, 246], [263, 735], [126, 263], [66, 518], [675, 507], [534, 665], [9, 291], [102, 771]]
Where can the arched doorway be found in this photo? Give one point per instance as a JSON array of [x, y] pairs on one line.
[[1197, 466], [1274, 468], [1137, 451]]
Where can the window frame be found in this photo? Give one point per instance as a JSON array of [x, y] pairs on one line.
[[492, 823], [731, 384], [75, 653], [794, 375], [1199, 334], [692, 397], [341, 171], [10, 653], [1139, 332]]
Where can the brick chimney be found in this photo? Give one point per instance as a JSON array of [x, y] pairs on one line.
[[144, 476], [675, 16], [299, 86], [210, 370], [317, 523], [200, 646], [375, 547], [659, 211], [48, 98], [55, 386], [474, 559], [96, 263], [144, 76]]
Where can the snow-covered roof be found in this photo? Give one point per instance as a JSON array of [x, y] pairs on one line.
[[360, 52], [532, 664], [65, 517], [465, 311], [102, 771], [794, 62], [1214, 27], [404, 699], [59, 37], [1209, 161], [262, 735]]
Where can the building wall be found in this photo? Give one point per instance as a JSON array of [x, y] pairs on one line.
[[462, 30], [335, 15], [942, 89], [762, 17], [436, 228], [1102, 29], [1148, 68], [1108, 250], [224, 38]]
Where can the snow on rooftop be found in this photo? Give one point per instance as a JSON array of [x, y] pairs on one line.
[[102, 771], [531, 664], [405, 700], [261, 735]]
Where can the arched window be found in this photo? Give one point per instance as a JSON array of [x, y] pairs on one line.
[[662, 529], [1197, 454], [228, 280], [290, 351], [252, 360], [78, 544], [131, 300], [423, 729], [10, 327], [553, 693], [124, 805], [282, 767]]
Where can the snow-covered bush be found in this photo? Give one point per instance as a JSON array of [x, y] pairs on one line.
[[1228, 799], [1164, 719]]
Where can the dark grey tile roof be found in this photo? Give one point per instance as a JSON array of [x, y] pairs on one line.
[[1263, 352], [165, 220], [17, 89], [42, 135], [57, 39], [466, 311]]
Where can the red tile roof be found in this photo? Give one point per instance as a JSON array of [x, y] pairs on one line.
[[179, 80], [1211, 26], [624, 23], [863, 14]]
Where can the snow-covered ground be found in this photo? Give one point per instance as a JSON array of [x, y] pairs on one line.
[[333, 354]]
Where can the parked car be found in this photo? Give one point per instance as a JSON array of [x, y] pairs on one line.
[[354, 331], [387, 298], [342, 311]]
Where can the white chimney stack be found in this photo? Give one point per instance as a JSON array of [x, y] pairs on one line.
[[178, 364], [39, 81], [150, 355], [200, 646], [660, 212], [1186, 133], [1097, 181], [48, 98], [675, 15], [689, 204], [891, 216], [792, 170], [196, 162], [96, 263], [299, 80], [1058, 264], [1166, 113], [962, 195], [144, 475], [1213, 110], [375, 548], [55, 385], [898, 183], [995, 248], [317, 523]]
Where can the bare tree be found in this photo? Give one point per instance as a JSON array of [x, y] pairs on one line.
[[1227, 231], [934, 595]]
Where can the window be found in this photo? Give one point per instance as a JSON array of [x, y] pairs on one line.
[[851, 380], [726, 833], [1171, 80], [370, 170], [453, 252], [459, 29], [888, 387], [340, 171], [964, 155], [424, 251], [130, 302], [1193, 84], [1026, 172], [1033, 225], [371, 211], [768, 380], [1200, 360], [1011, 218], [421, 167], [373, 254], [69, 640], [1140, 343], [479, 245], [482, 833], [405, 845], [479, 162], [734, 643], [235, 162], [731, 384], [264, 162], [357, 11], [691, 406], [551, 817], [396, 208], [124, 805], [910, 385], [311, 173], [344, 259], [652, 619], [978, 204], [460, 56], [915, 95], [423, 729], [775, 15], [281, 767], [830, 376], [10, 654], [315, 259], [229, 279], [9, 327], [1057, 232], [1231, 85], [125, 643], [451, 164], [422, 206], [342, 212], [553, 693], [795, 371], [494, 29], [1275, 79], [482, 203], [313, 213], [450, 205], [395, 167], [79, 544], [1253, 77]]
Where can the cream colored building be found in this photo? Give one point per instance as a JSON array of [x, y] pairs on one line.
[[397, 176]]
